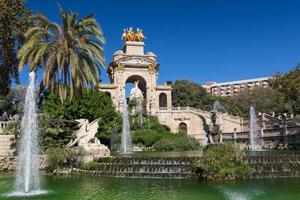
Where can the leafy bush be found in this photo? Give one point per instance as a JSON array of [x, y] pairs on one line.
[[91, 165], [222, 161], [92, 105], [54, 132], [154, 124], [159, 137], [177, 142], [62, 157]]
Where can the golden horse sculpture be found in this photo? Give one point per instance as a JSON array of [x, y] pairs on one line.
[[129, 35]]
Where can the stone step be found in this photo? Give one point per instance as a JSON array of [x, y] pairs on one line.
[[7, 152], [5, 143], [6, 138], [5, 147]]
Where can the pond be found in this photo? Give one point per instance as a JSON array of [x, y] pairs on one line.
[[106, 188]]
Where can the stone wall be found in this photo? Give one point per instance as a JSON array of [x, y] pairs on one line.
[[191, 117], [8, 163]]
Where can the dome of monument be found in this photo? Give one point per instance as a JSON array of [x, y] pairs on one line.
[[118, 52], [151, 55]]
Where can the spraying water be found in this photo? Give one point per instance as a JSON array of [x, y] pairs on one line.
[[126, 136], [254, 140], [217, 106], [27, 176], [139, 111]]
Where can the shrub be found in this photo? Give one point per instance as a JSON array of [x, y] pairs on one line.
[[147, 137], [62, 157], [223, 161], [159, 137], [177, 142], [91, 165], [154, 124], [92, 105]]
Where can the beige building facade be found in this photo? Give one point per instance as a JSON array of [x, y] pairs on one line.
[[132, 64]]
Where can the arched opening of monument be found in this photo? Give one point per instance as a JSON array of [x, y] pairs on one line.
[[162, 100], [182, 128], [107, 93], [130, 83]]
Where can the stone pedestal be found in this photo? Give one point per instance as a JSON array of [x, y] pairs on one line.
[[134, 48], [95, 151]]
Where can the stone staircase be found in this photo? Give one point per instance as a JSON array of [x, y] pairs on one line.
[[268, 166], [173, 167], [6, 141]]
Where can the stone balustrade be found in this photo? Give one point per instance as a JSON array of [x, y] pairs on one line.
[[3, 125]]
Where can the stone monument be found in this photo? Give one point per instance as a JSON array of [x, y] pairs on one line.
[[132, 64], [87, 139]]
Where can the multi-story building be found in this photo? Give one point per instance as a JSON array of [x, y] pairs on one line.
[[232, 88]]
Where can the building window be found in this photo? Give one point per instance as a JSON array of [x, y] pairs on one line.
[[182, 128], [162, 100]]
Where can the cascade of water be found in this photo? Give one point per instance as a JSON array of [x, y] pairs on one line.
[[139, 110], [27, 176], [254, 137], [126, 147]]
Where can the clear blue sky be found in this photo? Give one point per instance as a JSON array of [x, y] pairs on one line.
[[209, 40]]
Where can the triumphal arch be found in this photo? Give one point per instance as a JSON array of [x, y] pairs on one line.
[[133, 65]]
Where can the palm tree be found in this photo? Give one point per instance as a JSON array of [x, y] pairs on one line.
[[70, 54]]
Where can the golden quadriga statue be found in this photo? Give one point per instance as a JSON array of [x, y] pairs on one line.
[[130, 35]]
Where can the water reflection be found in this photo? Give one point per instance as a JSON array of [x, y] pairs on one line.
[[101, 188]]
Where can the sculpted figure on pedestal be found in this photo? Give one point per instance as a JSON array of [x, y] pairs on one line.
[[86, 138], [136, 93]]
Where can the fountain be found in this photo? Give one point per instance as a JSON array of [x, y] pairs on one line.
[[217, 107], [27, 180], [254, 137], [139, 111], [126, 136]]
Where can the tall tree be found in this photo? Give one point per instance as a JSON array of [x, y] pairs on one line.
[[14, 21], [70, 54], [265, 100], [289, 84], [187, 93]]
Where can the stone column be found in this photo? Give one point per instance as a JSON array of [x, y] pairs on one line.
[[151, 93], [120, 94]]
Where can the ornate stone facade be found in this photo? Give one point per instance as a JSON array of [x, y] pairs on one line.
[[131, 64]]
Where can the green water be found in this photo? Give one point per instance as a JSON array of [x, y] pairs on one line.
[[93, 188]]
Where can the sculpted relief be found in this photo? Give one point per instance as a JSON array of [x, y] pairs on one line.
[[135, 60]]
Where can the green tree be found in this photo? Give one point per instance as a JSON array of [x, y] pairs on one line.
[[70, 53], [187, 93], [13, 102], [91, 105], [289, 84], [265, 100], [14, 21]]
